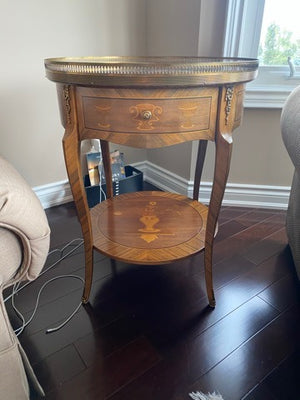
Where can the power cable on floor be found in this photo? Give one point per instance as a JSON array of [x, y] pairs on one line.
[[17, 288]]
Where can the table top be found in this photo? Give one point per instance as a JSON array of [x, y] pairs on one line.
[[150, 71]]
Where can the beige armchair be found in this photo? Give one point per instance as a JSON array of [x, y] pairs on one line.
[[290, 128], [24, 245]]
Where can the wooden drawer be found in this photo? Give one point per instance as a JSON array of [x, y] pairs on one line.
[[152, 111]]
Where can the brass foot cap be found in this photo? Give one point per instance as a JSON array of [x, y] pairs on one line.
[[212, 303]]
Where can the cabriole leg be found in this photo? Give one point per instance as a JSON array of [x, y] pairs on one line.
[[71, 147], [222, 164]]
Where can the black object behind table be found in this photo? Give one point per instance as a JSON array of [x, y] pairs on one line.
[[132, 183]]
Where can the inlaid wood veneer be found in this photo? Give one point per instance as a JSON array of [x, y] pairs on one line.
[[150, 102]]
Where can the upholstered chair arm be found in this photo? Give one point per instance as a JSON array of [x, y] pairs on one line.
[[24, 229], [290, 129]]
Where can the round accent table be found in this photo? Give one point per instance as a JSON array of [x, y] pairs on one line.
[[150, 102]]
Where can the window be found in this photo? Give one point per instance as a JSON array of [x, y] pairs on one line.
[[270, 31]]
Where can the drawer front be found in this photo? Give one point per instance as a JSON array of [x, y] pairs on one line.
[[147, 112]]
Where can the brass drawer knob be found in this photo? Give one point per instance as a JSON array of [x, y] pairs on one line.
[[146, 114]]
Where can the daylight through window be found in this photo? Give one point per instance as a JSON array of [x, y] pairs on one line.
[[280, 33], [270, 31]]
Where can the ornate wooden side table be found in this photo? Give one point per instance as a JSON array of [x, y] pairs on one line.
[[150, 102]]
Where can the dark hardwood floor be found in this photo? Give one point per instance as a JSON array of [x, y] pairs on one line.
[[148, 333]]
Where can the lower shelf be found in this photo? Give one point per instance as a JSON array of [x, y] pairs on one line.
[[149, 227]]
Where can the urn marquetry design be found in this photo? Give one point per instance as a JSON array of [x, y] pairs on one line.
[[188, 111], [103, 112]]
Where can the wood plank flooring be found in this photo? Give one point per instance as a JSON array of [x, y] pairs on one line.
[[147, 332]]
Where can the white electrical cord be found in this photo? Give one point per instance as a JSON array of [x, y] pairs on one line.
[[104, 194], [17, 288], [101, 191]]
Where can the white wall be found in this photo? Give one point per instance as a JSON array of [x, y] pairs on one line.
[[172, 27], [31, 30], [212, 27], [259, 156]]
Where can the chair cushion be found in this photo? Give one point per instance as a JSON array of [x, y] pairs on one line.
[[290, 129], [290, 126], [21, 213], [13, 380], [11, 250]]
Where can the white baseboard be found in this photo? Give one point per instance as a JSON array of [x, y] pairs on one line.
[[236, 194], [261, 196], [54, 194], [164, 179]]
